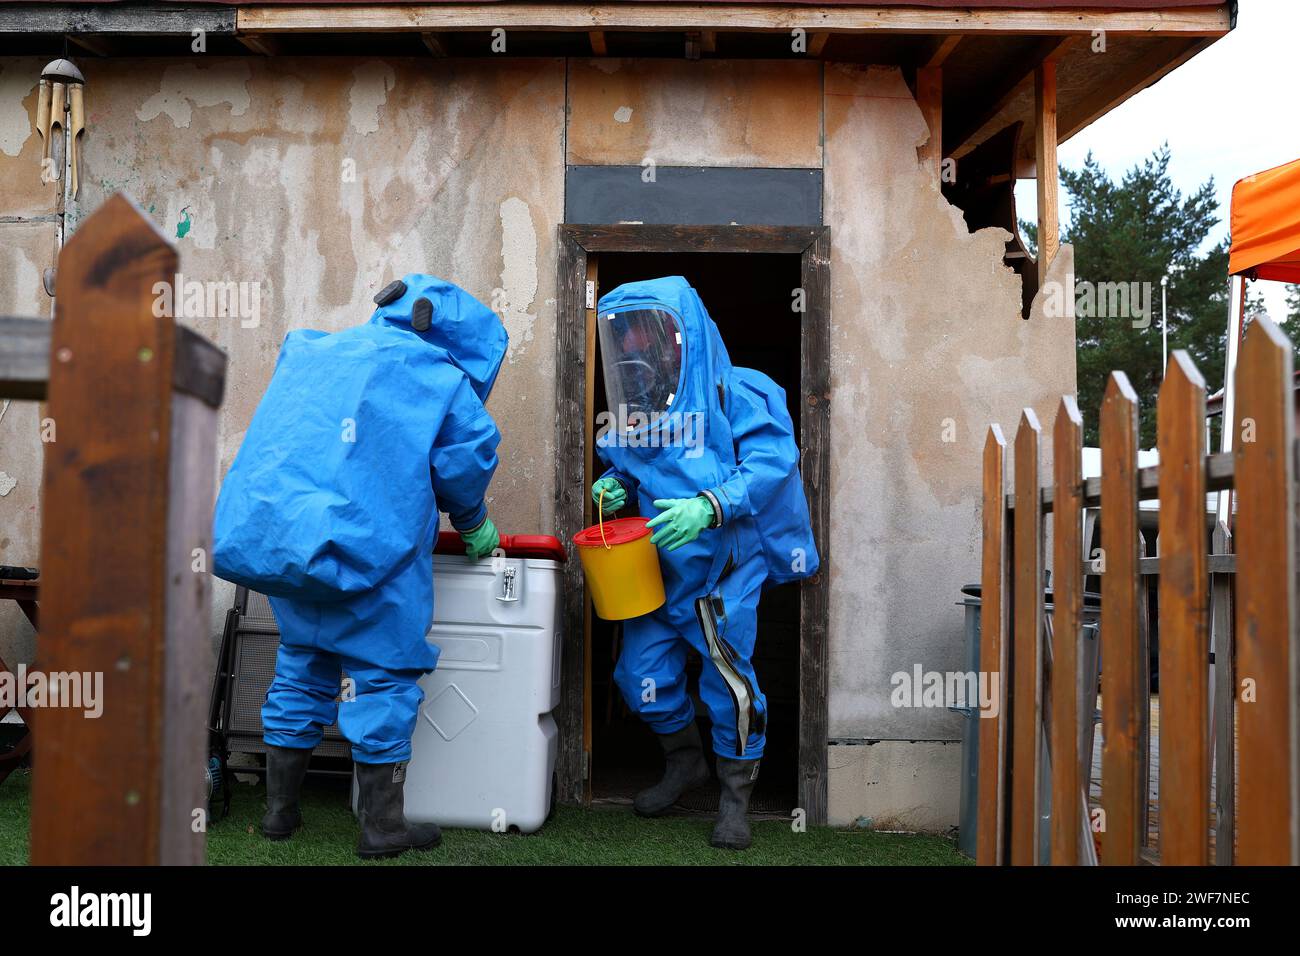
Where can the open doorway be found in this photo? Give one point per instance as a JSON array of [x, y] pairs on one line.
[[749, 296], [731, 267]]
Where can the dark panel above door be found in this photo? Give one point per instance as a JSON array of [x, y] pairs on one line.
[[693, 196]]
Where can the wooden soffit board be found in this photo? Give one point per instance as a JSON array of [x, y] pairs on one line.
[[1194, 17]]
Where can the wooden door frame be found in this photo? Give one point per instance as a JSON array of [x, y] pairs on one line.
[[575, 324]]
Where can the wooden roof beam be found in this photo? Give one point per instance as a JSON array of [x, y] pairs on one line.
[[1049, 186], [940, 49], [263, 46], [1212, 21], [929, 97], [434, 44], [93, 43], [957, 142]]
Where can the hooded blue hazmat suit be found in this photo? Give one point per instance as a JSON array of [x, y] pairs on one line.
[[726, 433], [331, 508]]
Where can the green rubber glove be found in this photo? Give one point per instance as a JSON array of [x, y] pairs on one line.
[[615, 494], [680, 522], [482, 541]]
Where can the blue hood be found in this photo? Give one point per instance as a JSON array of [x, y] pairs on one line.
[[748, 460], [706, 361], [467, 330]]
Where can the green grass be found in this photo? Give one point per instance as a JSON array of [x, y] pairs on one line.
[[604, 836], [13, 818]]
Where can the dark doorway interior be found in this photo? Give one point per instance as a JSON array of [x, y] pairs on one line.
[[749, 296]]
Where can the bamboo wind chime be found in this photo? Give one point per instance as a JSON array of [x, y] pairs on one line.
[[61, 106]]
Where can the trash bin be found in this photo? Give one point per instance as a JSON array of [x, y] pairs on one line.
[[483, 751], [968, 813]]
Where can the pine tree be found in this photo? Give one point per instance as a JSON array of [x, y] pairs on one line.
[[1136, 231]]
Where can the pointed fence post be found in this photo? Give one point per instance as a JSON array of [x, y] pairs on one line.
[[1268, 815], [1067, 601], [994, 646], [1027, 648], [1123, 790], [125, 585], [1184, 618]]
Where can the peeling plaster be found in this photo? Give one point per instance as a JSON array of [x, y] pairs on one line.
[[927, 336], [701, 113], [370, 85], [518, 270], [15, 121], [185, 85], [465, 180]]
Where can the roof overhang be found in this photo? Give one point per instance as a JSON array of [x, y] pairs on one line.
[[1105, 50]]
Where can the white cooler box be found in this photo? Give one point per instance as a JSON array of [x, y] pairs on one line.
[[483, 751]]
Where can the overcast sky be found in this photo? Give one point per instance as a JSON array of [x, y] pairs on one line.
[[1232, 110]]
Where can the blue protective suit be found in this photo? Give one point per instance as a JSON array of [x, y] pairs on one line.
[[331, 507], [748, 461]]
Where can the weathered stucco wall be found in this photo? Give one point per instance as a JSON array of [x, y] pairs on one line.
[[22, 193], [29, 228], [695, 113], [320, 180], [26, 250], [928, 349]]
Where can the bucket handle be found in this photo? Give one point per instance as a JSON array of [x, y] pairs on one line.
[[600, 518]]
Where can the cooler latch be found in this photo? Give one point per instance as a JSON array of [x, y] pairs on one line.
[[508, 591]]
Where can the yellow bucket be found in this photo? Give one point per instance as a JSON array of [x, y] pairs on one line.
[[622, 568]]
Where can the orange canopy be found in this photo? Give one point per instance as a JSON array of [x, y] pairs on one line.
[[1266, 224]]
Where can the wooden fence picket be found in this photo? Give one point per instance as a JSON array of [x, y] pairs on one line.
[[994, 647], [1067, 600], [1122, 682], [1184, 612], [1027, 648], [1237, 595], [126, 509], [1265, 535]]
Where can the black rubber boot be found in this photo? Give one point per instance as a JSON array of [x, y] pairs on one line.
[[285, 768], [684, 770], [384, 828], [737, 777]]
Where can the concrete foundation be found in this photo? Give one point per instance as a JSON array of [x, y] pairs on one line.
[[895, 785]]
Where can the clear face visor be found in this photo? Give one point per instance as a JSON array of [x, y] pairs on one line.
[[641, 351]]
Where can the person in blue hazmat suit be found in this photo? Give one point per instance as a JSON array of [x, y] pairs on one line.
[[331, 508], [707, 451]]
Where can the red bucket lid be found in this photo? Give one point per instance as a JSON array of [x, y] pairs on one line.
[[544, 546], [618, 531]]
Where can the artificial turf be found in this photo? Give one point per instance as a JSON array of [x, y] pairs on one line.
[[603, 836]]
